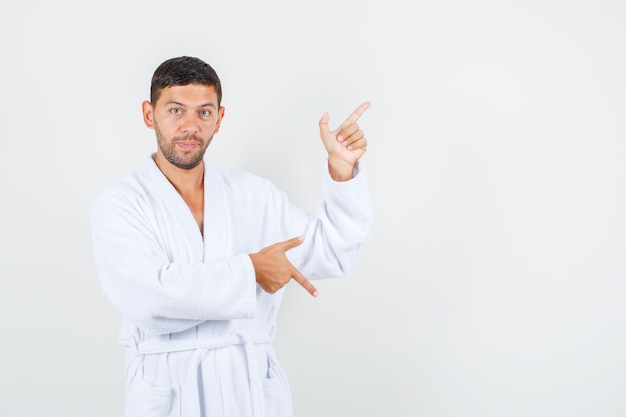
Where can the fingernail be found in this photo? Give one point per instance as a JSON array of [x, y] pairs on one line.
[[315, 294], [349, 148], [340, 138]]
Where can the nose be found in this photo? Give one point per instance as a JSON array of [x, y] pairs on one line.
[[189, 124]]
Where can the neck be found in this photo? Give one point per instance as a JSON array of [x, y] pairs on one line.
[[184, 180]]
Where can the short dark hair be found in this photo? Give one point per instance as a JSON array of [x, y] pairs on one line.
[[184, 70]]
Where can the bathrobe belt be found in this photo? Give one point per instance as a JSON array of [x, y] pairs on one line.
[[203, 346]]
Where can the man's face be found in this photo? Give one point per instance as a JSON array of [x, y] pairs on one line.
[[185, 118]]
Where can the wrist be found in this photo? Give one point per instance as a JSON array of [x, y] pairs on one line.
[[340, 170]]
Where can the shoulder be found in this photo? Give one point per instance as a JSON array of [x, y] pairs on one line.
[[131, 184], [127, 194], [245, 189], [242, 181], [140, 184]]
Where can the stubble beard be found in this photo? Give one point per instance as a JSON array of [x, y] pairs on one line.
[[181, 158]]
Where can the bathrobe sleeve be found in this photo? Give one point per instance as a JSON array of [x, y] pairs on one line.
[[336, 233], [157, 295]]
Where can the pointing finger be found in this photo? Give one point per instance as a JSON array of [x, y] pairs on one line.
[[301, 279], [357, 113], [291, 243]]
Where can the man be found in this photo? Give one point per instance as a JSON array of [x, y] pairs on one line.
[[196, 258]]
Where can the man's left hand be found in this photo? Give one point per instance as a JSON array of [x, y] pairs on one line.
[[345, 145]]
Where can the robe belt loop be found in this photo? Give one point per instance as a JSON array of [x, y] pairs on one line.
[[203, 347]]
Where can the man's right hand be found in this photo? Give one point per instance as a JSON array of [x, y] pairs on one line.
[[273, 269]]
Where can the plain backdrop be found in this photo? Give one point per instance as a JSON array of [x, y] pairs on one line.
[[493, 283]]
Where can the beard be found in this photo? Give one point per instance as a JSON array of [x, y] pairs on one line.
[[184, 159]]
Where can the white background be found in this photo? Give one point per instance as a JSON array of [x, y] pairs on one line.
[[493, 282]]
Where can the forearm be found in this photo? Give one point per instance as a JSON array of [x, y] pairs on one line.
[[335, 235], [154, 290], [174, 297]]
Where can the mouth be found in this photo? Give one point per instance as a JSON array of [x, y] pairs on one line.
[[188, 143]]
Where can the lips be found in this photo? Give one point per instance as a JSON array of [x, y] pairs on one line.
[[187, 145]]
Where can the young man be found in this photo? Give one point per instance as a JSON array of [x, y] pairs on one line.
[[196, 258]]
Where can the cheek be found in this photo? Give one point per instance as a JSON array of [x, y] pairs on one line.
[[167, 124], [216, 122], [209, 125]]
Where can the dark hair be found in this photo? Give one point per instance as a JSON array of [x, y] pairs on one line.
[[184, 70]]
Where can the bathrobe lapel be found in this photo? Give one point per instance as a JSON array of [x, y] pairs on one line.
[[189, 242], [215, 235]]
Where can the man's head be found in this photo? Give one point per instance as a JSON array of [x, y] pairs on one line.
[[182, 71], [184, 110]]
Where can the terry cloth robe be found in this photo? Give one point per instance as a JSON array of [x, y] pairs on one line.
[[196, 327]]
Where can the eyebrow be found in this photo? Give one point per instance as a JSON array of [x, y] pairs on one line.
[[183, 105]]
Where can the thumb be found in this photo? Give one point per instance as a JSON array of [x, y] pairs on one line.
[[324, 123], [291, 243]]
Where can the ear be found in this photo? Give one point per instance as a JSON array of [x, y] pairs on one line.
[[148, 114], [220, 116]]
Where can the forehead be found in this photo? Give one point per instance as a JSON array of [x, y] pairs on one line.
[[189, 95]]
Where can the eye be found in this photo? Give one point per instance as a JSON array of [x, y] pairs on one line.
[[205, 113], [176, 111]]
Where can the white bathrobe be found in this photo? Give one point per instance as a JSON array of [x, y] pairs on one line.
[[196, 327]]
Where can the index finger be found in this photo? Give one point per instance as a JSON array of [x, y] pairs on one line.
[[300, 279], [357, 113]]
